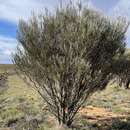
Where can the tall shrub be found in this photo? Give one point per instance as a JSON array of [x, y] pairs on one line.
[[69, 55]]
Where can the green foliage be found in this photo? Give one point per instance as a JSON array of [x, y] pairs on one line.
[[120, 125], [3, 82], [69, 55]]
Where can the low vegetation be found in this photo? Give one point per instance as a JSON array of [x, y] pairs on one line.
[[23, 108]]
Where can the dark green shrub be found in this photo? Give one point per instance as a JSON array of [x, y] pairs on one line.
[[120, 125]]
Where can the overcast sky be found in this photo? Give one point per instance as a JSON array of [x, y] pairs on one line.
[[13, 10]]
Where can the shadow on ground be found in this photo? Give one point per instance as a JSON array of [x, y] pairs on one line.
[[113, 124]]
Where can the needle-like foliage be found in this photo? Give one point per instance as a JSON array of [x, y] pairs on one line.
[[69, 55]]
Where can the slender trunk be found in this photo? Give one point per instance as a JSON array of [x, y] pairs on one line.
[[65, 123], [62, 126]]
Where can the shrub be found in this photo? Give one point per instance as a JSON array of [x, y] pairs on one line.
[[69, 55], [3, 82]]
